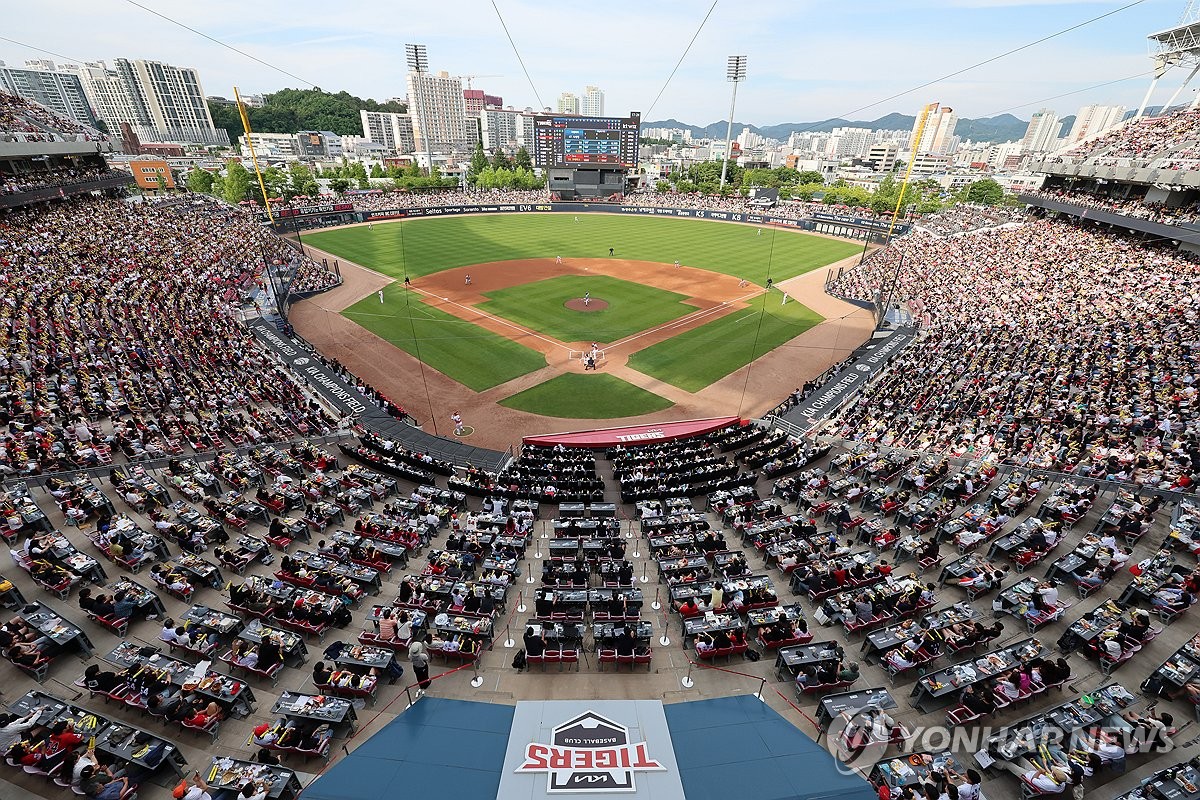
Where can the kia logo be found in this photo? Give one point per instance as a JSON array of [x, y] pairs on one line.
[[300, 362]]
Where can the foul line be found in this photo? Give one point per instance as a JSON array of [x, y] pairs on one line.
[[501, 320], [688, 319]]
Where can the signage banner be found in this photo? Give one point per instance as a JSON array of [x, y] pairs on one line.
[[626, 208], [581, 748], [868, 360], [323, 381], [631, 434]]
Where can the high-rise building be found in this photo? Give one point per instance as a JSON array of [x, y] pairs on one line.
[[1094, 120], [849, 142], [1041, 136], [61, 92], [388, 128], [592, 102], [473, 102], [568, 103], [439, 113], [938, 136], [160, 102]]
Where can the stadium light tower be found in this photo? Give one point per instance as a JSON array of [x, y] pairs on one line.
[[1175, 47], [735, 73], [418, 62]]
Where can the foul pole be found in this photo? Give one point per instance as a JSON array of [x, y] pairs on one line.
[[253, 158]]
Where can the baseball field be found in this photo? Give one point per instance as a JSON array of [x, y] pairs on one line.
[[507, 307]]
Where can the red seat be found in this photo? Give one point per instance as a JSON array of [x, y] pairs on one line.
[[960, 715]]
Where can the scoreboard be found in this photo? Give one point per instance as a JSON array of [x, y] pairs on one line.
[[586, 142]]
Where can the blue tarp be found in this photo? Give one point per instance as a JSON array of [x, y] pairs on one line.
[[727, 748], [733, 747], [435, 747]]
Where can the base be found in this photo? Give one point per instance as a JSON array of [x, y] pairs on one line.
[[477, 681], [521, 608], [665, 641], [656, 605], [509, 643], [687, 682]]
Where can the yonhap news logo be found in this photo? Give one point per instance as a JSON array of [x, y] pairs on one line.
[[589, 754]]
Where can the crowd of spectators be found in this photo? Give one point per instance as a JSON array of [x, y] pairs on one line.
[[787, 209], [117, 333], [1143, 138], [1130, 207], [966, 218], [59, 176], [1044, 344], [26, 121]]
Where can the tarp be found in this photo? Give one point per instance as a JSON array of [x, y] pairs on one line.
[[632, 434], [724, 748], [733, 747]]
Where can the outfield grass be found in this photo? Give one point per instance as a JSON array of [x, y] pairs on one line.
[[425, 246], [696, 358], [463, 351], [632, 307], [574, 395]]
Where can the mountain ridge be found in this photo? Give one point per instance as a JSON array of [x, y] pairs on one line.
[[1000, 128]]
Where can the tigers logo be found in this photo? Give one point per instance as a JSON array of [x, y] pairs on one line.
[[589, 754]]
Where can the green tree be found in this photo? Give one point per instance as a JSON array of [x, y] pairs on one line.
[[500, 161], [662, 187], [359, 174], [479, 162], [302, 180], [984, 192], [810, 176], [339, 185], [376, 171], [237, 183], [276, 181], [522, 160], [291, 110], [760, 177], [200, 180], [786, 176]]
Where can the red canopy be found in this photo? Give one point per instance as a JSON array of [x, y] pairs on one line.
[[632, 434]]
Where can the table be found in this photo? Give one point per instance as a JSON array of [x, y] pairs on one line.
[[938, 686], [292, 646], [233, 773], [365, 657], [884, 639], [558, 634], [235, 697], [337, 712], [790, 660], [851, 703], [912, 769], [64, 635], [1180, 782], [601, 510], [604, 634], [116, 739], [570, 509], [148, 603], [710, 623], [758, 617], [1091, 625], [11, 597], [1025, 737], [216, 622]]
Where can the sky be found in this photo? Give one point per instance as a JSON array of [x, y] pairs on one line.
[[807, 59]]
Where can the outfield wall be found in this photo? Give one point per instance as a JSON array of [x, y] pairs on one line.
[[834, 224]]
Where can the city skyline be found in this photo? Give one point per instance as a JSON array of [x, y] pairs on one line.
[[359, 51]]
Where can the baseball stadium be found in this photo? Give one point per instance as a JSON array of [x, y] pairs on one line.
[[603, 486]]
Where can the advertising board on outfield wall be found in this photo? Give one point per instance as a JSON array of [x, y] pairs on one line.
[[654, 211]]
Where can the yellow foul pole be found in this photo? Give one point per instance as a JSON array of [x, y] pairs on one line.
[[254, 158], [920, 133]]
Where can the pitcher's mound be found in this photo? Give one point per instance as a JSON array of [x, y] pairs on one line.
[[593, 304]]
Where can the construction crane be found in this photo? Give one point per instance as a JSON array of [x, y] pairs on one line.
[[469, 78]]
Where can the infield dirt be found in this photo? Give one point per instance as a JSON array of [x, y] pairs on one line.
[[748, 392]]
